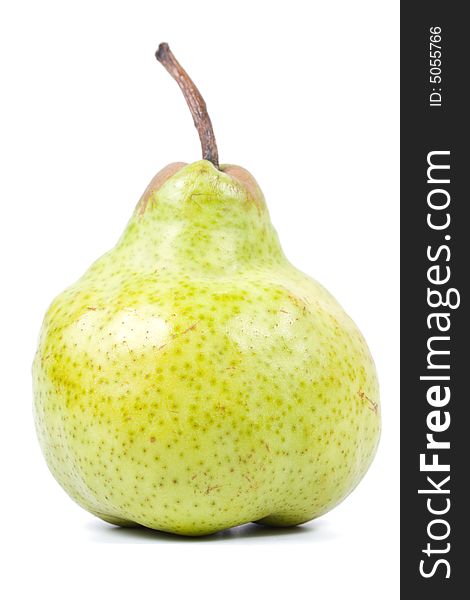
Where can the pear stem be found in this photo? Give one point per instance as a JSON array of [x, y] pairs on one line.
[[195, 101]]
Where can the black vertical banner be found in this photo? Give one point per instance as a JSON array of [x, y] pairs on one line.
[[435, 269]]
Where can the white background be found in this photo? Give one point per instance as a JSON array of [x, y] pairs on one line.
[[303, 94]]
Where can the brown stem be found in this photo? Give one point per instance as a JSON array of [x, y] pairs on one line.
[[195, 101]]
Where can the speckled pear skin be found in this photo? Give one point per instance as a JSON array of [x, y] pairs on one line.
[[193, 379]]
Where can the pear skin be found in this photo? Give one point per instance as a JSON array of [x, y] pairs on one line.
[[193, 379]]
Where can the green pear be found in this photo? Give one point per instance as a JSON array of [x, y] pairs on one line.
[[193, 379]]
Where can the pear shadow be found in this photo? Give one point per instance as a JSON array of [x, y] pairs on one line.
[[250, 533]]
